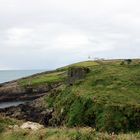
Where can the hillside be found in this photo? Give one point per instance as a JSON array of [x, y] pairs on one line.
[[107, 98], [102, 94]]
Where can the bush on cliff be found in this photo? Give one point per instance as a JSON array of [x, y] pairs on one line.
[[5, 122], [107, 99]]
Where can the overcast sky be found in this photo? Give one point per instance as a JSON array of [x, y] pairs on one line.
[[46, 34]]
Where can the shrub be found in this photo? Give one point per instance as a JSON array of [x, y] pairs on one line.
[[128, 61]]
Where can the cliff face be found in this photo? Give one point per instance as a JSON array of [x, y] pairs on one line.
[[29, 112], [12, 91], [76, 73], [35, 111], [105, 96]]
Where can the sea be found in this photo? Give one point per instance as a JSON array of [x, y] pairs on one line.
[[9, 75]]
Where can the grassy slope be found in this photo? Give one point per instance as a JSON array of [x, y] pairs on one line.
[[79, 64], [53, 76], [108, 99], [61, 133], [111, 84], [6, 121], [42, 78], [65, 134]]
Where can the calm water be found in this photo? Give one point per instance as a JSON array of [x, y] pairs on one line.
[[8, 104], [8, 75]]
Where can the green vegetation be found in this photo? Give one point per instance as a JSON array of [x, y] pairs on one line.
[[64, 133], [6, 121], [103, 105], [79, 64], [43, 78], [108, 98]]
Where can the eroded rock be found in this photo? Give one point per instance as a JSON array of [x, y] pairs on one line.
[[29, 112], [75, 73], [12, 91], [31, 125]]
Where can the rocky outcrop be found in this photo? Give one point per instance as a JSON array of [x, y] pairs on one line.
[[76, 73], [34, 111], [12, 91], [29, 113], [26, 125], [31, 125]]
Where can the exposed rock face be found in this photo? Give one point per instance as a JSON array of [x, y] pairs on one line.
[[31, 125], [34, 111], [75, 73], [13, 91], [27, 125], [29, 112]]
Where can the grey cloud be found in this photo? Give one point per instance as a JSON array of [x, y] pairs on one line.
[[47, 34]]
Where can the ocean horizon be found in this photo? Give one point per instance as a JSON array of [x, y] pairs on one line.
[[9, 75]]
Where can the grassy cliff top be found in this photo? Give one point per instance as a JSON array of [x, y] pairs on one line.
[[107, 98], [60, 73], [109, 81]]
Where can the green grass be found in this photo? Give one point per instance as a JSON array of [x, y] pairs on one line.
[[64, 133], [119, 84], [108, 98], [79, 64], [60, 73], [43, 78], [6, 121]]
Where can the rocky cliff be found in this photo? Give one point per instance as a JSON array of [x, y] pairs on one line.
[[34, 110]]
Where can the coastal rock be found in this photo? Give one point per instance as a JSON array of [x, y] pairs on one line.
[[76, 73], [31, 125], [29, 112], [12, 91]]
